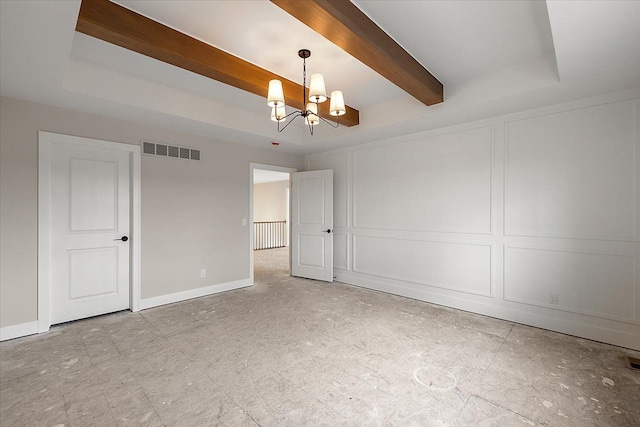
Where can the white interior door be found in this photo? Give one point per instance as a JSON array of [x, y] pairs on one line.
[[312, 225], [90, 220]]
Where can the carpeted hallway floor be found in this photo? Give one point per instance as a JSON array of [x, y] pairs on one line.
[[292, 352]]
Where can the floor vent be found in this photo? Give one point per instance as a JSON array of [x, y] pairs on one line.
[[154, 149], [634, 363]]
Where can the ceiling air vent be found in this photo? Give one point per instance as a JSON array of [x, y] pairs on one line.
[[164, 150]]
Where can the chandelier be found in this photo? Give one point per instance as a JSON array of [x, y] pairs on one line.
[[317, 95]]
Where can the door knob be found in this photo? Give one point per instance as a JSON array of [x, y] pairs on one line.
[[123, 238], [328, 230]]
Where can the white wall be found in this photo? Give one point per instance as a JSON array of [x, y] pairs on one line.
[[270, 201], [498, 216], [191, 211]]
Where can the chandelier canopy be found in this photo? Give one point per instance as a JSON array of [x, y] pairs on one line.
[[317, 95]]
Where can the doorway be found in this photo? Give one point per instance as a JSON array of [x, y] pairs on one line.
[[270, 222]]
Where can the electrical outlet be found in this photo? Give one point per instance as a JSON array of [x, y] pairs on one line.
[[203, 273], [553, 298], [244, 221]]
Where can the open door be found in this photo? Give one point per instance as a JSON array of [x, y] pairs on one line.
[[312, 225]]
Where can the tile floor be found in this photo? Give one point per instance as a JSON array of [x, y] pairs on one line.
[[293, 352]]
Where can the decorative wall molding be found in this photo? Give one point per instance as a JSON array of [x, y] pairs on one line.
[[417, 156], [628, 105], [593, 315], [449, 287], [560, 306], [341, 244]]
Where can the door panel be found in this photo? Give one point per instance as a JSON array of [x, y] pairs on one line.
[[311, 200], [312, 225], [92, 272], [92, 199], [90, 212], [313, 255]]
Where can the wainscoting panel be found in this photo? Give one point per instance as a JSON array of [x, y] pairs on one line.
[[341, 250], [531, 217], [596, 284], [438, 184], [573, 174], [454, 266]]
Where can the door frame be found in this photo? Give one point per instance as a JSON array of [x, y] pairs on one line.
[[46, 141], [252, 167]]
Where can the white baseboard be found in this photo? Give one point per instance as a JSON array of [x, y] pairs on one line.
[[539, 320], [193, 293], [31, 328], [17, 331]]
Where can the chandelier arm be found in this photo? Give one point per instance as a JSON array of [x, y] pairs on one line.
[[291, 114], [329, 123], [290, 121]]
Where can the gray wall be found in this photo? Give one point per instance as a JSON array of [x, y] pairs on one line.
[[191, 211]]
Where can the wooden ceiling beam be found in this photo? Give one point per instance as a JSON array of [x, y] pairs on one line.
[[342, 23], [115, 24]]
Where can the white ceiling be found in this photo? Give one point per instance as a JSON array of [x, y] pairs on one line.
[[494, 57], [462, 40]]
